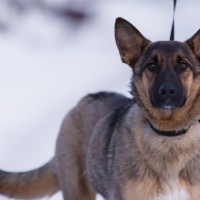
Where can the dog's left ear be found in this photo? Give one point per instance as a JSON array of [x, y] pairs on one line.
[[194, 43], [130, 41]]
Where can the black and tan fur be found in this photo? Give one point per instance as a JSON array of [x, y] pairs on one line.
[[129, 149]]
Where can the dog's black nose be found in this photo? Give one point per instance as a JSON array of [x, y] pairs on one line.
[[167, 91]]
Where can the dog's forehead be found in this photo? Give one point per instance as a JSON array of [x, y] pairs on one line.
[[167, 48]]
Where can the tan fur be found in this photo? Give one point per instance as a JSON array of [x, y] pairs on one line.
[[151, 185], [37, 183], [171, 156]]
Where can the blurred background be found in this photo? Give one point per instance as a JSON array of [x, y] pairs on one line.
[[53, 52]]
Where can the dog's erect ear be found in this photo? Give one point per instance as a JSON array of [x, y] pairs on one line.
[[194, 43], [130, 41]]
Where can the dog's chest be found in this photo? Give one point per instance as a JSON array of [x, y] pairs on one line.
[[175, 194], [172, 190], [150, 190]]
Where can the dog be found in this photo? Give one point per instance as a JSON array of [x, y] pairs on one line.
[[142, 148]]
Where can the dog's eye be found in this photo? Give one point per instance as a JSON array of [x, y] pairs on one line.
[[182, 66], [152, 67]]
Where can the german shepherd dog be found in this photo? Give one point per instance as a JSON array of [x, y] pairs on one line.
[[141, 148]]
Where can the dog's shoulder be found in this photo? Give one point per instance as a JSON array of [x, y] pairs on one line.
[[105, 100], [106, 96], [96, 106]]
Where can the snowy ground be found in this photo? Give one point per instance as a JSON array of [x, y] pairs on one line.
[[48, 65]]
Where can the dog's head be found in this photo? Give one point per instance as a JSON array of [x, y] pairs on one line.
[[166, 81]]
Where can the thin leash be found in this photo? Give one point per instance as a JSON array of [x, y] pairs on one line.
[[172, 30]]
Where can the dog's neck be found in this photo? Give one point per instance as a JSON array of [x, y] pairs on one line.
[[168, 133]]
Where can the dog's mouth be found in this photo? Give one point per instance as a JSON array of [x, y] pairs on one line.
[[168, 105]]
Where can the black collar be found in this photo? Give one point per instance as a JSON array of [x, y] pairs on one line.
[[168, 133]]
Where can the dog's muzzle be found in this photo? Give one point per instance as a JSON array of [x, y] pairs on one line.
[[167, 97]]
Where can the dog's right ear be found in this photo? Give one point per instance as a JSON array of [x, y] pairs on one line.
[[129, 40], [194, 43]]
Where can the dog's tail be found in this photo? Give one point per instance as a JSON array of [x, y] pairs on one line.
[[30, 185]]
